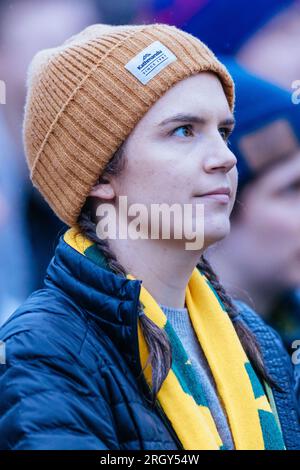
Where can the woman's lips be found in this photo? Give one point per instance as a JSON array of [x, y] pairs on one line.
[[222, 198]]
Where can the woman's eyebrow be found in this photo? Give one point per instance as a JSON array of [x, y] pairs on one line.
[[230, 121]]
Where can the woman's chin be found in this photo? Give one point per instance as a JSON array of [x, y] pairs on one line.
[[216, 232]]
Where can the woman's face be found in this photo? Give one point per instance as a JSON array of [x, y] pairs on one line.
[[178, 160]]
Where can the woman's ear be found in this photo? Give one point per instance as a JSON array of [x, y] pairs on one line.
[[103, 190]]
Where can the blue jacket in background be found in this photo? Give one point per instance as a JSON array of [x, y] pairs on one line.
[[72, 378]]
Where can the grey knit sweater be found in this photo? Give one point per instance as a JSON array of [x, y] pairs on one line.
[[180, 321]]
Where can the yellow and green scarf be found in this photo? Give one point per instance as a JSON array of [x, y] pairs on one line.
[[254, 424]]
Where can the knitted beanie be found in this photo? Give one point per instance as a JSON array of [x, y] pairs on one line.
[[86, 96]]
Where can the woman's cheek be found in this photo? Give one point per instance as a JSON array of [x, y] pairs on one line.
[[232, 203]]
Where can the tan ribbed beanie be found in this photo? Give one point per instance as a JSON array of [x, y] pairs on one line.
[[85, 97]]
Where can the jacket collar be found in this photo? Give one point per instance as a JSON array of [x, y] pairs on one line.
[[109, 299]]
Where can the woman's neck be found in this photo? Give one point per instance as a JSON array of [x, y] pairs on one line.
[[164, 266]]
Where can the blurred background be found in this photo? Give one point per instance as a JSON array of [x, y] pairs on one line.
[[259, 262]]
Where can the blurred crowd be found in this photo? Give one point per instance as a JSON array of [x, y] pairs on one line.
[[260, 261]]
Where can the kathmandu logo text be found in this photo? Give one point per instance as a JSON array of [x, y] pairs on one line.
[[150, 61], [149, 58]]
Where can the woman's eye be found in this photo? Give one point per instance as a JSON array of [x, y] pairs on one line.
[[225, 133], [186, 130]]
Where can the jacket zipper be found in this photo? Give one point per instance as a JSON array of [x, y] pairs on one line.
[[168, 426], [162, 414], [157, 405]]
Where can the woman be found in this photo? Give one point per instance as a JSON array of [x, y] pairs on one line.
[[133, 343]]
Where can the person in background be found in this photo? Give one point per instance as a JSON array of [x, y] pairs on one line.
[[16, 269], [265, 38], [27, 223], [212, 20], [259, 261], [272, 52]]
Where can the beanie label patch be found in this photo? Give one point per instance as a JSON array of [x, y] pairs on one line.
[[150, 61]]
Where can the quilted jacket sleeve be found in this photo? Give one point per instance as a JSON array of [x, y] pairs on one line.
[[275, 349], [47, 400]]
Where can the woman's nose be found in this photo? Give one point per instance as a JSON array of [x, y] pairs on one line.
[[220, 158]]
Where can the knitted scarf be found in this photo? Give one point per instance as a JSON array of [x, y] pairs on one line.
[[253, 423]]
